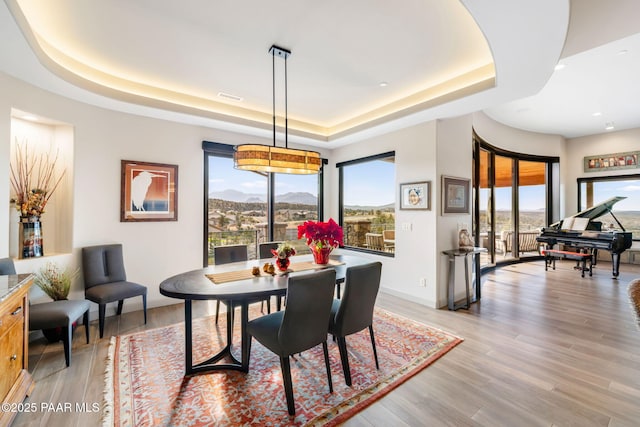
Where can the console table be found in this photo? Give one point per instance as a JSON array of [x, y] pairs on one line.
[[453, 254]]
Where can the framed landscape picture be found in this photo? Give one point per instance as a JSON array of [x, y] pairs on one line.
[[149, 191], [455, 195], [415, 195]]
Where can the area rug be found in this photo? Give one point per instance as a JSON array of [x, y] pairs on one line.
[[146, 386]]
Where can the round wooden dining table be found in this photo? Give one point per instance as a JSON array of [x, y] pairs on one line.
[[234, 284]]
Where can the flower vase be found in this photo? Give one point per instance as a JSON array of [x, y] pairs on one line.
[[283, 263], [321, 255], [30, 235]]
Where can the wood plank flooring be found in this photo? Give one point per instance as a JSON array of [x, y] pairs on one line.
[[540, 349]]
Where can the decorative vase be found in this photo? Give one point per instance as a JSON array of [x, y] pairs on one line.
[[30, 236], [283, 263], [321, 255]]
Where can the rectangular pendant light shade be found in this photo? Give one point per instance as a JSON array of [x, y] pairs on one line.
[[265, 158]]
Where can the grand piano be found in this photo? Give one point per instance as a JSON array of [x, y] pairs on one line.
[[581, 231]]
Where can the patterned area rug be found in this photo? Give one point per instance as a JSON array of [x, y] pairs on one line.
[[146, 386]]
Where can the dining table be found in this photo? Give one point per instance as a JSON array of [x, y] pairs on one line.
[[236, 284]]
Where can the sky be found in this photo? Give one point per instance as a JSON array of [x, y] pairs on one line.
[[223, 176], [371, 183], [532, 197]]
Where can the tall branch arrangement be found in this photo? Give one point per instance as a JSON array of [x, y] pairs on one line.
[[33, 179]]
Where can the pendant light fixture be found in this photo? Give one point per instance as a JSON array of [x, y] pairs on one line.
[[265, 158]]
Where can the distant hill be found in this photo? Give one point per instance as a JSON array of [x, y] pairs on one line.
[[298, 198]]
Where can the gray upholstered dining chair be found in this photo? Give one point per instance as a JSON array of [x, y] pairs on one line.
[[264, 249], [105, 280], [60, 314], [354, 311], [7, 267], [54, 314], [226, 255], [302, 325]]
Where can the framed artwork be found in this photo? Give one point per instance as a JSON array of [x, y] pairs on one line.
[[148, 192], [415, 195], [615, 161], [455, 195]]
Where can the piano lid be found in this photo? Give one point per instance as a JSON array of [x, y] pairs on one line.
[[600, 209], [595, 211]]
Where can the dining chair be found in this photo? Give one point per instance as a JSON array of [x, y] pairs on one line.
[[54, 314], [7, 267], [60, 314], [226, 255], [302, 325], [264, 249], [105, 280], [354, 311]]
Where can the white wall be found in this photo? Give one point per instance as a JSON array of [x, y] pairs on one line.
[[153, 251], [415, 250], [157, 250], [594, 145]]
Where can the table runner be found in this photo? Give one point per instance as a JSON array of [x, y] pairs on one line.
[[232, 276]]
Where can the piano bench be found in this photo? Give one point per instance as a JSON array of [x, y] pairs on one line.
[[550, 256]]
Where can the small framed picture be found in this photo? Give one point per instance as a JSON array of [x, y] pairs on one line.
[[455, 195], [148, 192], [415, 195]]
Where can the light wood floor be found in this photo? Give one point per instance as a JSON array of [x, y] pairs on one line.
[[548, 349]]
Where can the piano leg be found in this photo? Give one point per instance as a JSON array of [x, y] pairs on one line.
[[615, 261]]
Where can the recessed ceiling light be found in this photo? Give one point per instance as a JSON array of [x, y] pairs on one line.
[[597, 114], [384, 84], [559, 67], [623, 52], [229, 96], [608, 126]]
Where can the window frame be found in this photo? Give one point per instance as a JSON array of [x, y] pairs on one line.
[[218, 149], [580, 181], [341, 218]]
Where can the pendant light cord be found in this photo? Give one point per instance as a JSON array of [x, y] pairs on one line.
[[273, 80], [286, 97]]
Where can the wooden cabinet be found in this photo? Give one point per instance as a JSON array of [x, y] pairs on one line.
[[15, 380]]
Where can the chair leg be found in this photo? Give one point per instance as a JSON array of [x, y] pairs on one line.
[[344, 358], [66, 342], [326, 363], [288, 385], [269, 306], [101, 314], [217, 310], [373, 344], [144, 307], [120, 303], [85, 321]]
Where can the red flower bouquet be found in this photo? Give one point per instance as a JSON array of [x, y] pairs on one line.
[[322, 238]]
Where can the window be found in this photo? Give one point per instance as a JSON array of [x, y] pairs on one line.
[[513, 201], [367, 203], [592, 191], [249, 208]]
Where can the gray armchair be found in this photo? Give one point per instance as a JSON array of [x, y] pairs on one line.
[[60, 314], [105, 280], [7, 267], [302, 325], [54, 314], [354, 311]]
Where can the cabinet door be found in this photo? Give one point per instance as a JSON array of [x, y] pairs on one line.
[[10, 357]]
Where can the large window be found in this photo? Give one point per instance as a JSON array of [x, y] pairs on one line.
[[513, 201], [249, 208], [592, 191], [367, 203]]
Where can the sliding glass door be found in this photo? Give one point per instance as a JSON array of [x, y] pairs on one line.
[[513, 200]]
